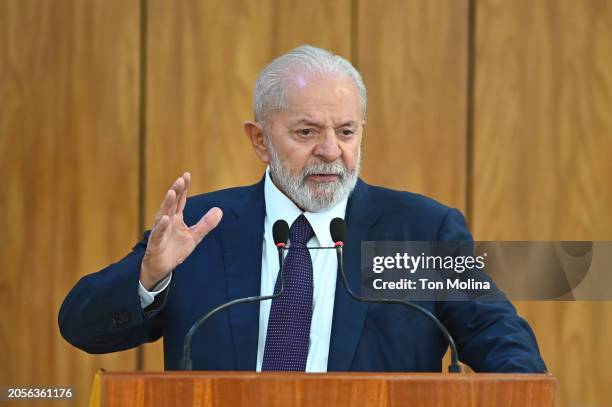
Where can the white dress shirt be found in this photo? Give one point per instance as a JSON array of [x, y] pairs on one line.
[[279, 206]]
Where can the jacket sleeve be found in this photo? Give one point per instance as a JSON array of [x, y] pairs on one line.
[[489, 334], [102, 312]]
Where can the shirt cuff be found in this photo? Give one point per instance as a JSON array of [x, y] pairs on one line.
[[147, 297]]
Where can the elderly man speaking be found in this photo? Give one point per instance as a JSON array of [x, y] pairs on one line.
[[309, 107]]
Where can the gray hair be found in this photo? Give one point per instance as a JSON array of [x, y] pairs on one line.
[[271, 84]]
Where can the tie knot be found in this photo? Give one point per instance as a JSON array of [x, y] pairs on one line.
[[301, 231]]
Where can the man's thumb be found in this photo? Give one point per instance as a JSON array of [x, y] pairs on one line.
[[207, 223]]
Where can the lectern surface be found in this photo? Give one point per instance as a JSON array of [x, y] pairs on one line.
[[148, 389]]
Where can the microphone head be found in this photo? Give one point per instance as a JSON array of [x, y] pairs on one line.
[[337, 229], [280, 232]]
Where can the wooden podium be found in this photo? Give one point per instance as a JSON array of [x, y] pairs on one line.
[[136, 389]]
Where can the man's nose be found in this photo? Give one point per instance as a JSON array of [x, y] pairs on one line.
[[328, 148]]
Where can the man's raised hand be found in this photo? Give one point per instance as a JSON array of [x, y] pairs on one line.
[[171, 240]]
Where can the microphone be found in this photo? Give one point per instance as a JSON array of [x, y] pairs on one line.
[[337, 228], [280, 233]]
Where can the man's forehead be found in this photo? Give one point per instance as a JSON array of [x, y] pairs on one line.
[[303, 93]]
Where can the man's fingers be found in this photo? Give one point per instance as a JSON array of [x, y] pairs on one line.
[[168, 202], [207, 223], [173, 196], [177, 187], [183, 197]]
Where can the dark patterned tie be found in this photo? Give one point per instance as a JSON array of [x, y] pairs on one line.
[[288, 335]]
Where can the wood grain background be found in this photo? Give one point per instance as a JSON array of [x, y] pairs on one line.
[[413, 58], [542, 145], [501, 108], [69, 168]]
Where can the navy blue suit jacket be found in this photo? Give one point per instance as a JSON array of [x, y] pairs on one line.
[[102, 313]]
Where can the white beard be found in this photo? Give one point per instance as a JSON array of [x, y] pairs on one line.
[[314, 197]]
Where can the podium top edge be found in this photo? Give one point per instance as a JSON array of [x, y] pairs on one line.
[[208, 374]]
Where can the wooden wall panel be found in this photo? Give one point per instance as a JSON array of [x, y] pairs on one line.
[[542, 168], [203, 58], [68, 164], [413, 57]]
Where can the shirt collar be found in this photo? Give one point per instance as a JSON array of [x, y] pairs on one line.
[[279, 206]]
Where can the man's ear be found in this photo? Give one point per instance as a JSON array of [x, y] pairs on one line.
[[254, 131]]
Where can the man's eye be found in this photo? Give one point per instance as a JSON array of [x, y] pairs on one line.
[[305, 132], [347, 132]]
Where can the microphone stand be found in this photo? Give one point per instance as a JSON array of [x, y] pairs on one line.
[[454, 367], [186, 363]]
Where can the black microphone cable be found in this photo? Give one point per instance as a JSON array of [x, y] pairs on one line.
[[280, 233], [337, 228]]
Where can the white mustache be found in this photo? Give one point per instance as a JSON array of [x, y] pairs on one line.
[[326, 169]]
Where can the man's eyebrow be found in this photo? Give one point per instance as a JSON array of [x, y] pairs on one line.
[[310, 122], [307, 122], [349, 123]]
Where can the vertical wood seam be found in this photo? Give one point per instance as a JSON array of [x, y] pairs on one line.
[[469, 128], [142, 138], [354, 40]]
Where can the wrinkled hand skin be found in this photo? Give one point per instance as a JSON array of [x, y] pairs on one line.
[[171, 240]]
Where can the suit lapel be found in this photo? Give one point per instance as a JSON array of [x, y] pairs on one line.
[[242, 251], [349, 314]]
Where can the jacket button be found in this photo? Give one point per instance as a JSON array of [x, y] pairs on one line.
[[121, 317]]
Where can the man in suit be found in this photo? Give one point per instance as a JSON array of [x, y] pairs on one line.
[[201, 252]]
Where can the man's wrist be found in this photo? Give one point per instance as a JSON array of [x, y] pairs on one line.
[[147, 282], [147, 296]]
